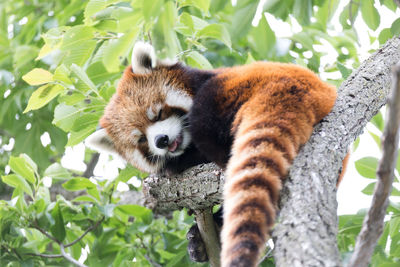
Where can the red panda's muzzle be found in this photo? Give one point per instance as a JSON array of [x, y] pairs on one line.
[[175, 144]]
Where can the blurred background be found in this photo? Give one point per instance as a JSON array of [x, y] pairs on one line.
[[60, 62]]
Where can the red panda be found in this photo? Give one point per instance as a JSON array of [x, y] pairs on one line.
[[251, 120]]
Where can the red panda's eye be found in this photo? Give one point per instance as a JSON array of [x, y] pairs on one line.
[[159, 115], [142, 139]]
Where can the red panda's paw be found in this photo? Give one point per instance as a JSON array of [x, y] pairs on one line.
[[196, 247]]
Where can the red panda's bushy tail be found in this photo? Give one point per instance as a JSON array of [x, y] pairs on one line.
[[264, 148]]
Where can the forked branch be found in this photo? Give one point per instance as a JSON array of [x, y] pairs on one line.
[[373, 222]]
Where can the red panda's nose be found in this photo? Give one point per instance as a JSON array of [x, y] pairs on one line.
[[161, 141]]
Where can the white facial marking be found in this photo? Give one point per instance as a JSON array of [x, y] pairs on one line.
[[152, 112], [136, 134], [167, 62], [136, 158], [172, 127], [178, 99], [142, 50], [100, 141]]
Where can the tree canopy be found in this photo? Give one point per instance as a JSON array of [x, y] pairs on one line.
[[60, 62]]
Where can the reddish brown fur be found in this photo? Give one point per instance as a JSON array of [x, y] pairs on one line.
[[281, 105], [267, 110]]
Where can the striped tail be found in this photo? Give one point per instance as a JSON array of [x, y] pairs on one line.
[[262, 153]]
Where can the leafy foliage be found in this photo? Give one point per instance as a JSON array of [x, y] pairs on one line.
[[59, 65]]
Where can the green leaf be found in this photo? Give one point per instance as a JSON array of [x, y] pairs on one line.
[[151, 9], [107, 210], [376, 138], [395, 28], [78, 136], [85, 121], [17, 182], [367, 167], [58, 229], [116, 50], [81, 74], [355, 144], [76, 36], [42, 96], [78, 44], [389, 4], [369, 14], [262, 38], [197, 60], [167, 22], [344, 70], [304, 39], [347, 17], [78, 183], [134, 210], [385, 35], [369, 189], [22, 167], [84, 199], [29, 161], [217, 31], [203, 5], [377, 120], [94, 192], [56, 171], [244, 14], [64, 116], [250, 58], [95, 6], [302, 11], [38, 76], [61, 74], [395, 192], [394, 226], [326, 12]]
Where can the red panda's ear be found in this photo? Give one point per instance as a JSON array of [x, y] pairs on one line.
[[100, 141], [143, 58]]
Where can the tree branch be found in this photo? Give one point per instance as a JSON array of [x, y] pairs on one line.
[[45, 255], [91, 165], [210, 236], [306, 231], [69, 258], [62, 246], [85, 233], [373, 221]]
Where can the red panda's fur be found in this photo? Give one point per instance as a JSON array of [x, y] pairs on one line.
[[251, 119]]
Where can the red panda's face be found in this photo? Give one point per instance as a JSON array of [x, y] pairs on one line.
[[146, 120]]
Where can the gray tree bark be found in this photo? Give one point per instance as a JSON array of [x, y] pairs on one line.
[[305, 234]]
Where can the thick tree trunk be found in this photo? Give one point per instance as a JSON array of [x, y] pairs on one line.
[[305, 234]]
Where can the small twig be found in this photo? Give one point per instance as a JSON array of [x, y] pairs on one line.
[[91, 165], [351, 12], [62, 246], [373, 222], [397, 2], [45, 255], [266, 256], [209, 234], [153, 263], [69, 258], [46, 234], [85, 233]]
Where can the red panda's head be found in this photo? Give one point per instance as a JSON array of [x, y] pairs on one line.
[[146, 120]]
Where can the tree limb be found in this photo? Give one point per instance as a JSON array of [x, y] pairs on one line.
[[373, 221], [210, 236], [307, 225]]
